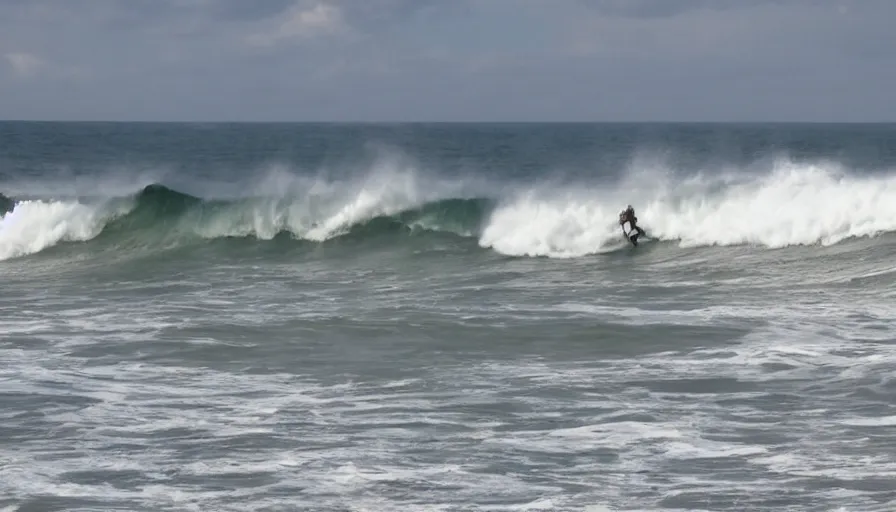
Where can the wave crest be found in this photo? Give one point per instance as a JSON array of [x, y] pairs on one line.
[[159, 213], [794, 205]]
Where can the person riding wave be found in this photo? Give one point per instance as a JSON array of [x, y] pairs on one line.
[[628, 215]]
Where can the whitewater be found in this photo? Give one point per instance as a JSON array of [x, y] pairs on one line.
[[793, 204], [447, 317]]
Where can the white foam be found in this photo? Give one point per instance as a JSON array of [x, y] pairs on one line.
[[884, 421], [793, 204], [35, 225], [310, 450], [709, 450], [533, 225]]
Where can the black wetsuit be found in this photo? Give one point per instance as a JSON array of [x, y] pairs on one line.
[[629, 216]]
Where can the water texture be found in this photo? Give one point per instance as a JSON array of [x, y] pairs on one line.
[[447, 317]]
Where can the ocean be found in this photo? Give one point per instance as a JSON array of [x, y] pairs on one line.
[[446, 317]]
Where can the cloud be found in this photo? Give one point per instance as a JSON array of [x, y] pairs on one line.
[[653, 9], [24, 65], [302, 22], [241, 10], [448, 59]]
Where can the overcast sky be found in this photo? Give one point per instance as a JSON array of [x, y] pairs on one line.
[[448, 60]]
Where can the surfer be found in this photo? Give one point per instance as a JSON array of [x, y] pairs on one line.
[[634, 231]]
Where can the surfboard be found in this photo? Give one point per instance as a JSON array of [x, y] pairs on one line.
[[630, 233]]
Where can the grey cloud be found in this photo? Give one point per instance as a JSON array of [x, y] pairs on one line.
[[241, 10], [450, 60], [390, 11], [668, 8], [643, 8]]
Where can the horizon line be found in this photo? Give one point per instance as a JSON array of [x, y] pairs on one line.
[[408, 122]]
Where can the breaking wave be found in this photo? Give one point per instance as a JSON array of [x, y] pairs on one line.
[[793, 205], [160, 214]]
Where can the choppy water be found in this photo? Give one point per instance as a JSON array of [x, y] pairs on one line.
[[412, 317]]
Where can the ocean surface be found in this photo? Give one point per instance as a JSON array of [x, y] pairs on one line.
[[446, 317]]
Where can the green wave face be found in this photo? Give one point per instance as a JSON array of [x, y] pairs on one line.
[[160, 214]]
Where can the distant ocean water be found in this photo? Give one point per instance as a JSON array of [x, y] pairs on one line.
[[447, 317]]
